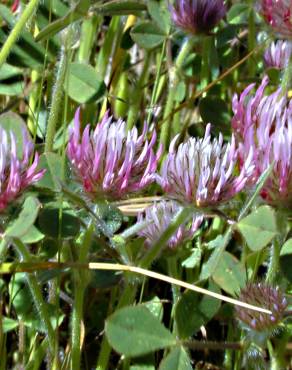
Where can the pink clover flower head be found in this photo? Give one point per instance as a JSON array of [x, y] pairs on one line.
[[109, 161], [278, 54], [160, 215], [201, 171], [197, 16], [265, 296], [16, 174], [264, 123], [278, 15]]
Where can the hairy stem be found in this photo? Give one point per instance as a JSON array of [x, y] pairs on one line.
[[80, 287], [274, 262], [57, 97], [37, 295]]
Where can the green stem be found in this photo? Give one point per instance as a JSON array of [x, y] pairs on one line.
[[274, 263], [251, 38], [138, 93], [105, 348], [173, 82], [156, 82], [4, 244], [80, 287], [229, 352], [57, 97], [87, 38], [127, 298], [172, 271], [278, 355], [286, 80], [37, 295], [256, 266], [205, 66], [108, 47], [37, 356], [32, 122], [16, 32], [153, 253]]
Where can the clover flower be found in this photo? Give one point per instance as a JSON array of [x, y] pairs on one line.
[[160, 215], [16, 174], [197, 16], [266, 296], [278, 54], [277, 13], [109, 161], [201, 171], [264, 123]]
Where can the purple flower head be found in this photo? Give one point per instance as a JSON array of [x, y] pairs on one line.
[[278, 54], [110, 161], [201, 171], [16, 173], [278, 15], [265, 296], [264, 123], [197, 16], [160, 215]]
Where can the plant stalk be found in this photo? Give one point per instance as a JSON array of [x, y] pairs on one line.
[[57, 97], [173, 82], [16, 31], [37, 295], [81, 280]]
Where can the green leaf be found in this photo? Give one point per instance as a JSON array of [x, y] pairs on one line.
[[155, 307], [238, 13], [104, 279], [147, 35], [287, 248], [193, 260], [230, 274], [33, 321], [20, 227], [8, 71], [78, 11], [57, 7], [52, 162], [83, 84], [286, 259], [180, 92], [160, 15], [33, 235], [142, 367], [111, 215], [8, 324], [22, 55], [26, 45], [11, 121], [49, 248], [121, 7], [53, 225], [194, 310], [214, 110], [177, 359], [225, 35], [215, 243], [210, 266], [274, 75], [259, 228], [134, 331], [20, 295], [12, 89]]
